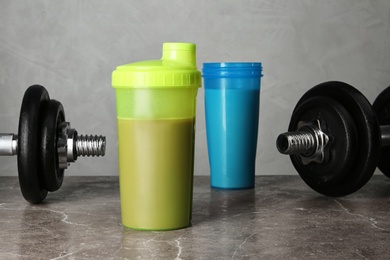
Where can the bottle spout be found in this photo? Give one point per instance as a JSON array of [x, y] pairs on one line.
[[183, 53]]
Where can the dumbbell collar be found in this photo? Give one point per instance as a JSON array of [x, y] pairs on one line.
[[66, 145], [308, 142], [8, 144]]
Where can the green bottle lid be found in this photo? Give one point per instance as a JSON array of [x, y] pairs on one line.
[[176, 68]]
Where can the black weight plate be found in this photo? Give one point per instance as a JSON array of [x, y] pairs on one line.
[[381, 106], [34, 99], [368, 136], [340, 151], [52, 175]]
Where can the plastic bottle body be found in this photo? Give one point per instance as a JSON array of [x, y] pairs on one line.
[[156, 129], [232, 97]]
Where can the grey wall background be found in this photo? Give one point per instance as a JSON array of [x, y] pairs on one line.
[[71, 47]]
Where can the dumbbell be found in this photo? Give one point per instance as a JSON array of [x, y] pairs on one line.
[[336, 139], [45, 144]]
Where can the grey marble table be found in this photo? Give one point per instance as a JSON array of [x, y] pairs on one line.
[[280, 219]]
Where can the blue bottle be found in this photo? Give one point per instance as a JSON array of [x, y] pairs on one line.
[[232, 93]]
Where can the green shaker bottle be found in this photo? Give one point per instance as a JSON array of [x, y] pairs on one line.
[[156, 106]]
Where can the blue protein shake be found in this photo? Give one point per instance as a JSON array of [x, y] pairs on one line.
[[232, 93]]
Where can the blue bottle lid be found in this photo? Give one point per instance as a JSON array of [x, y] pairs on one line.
[[232, 70]]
